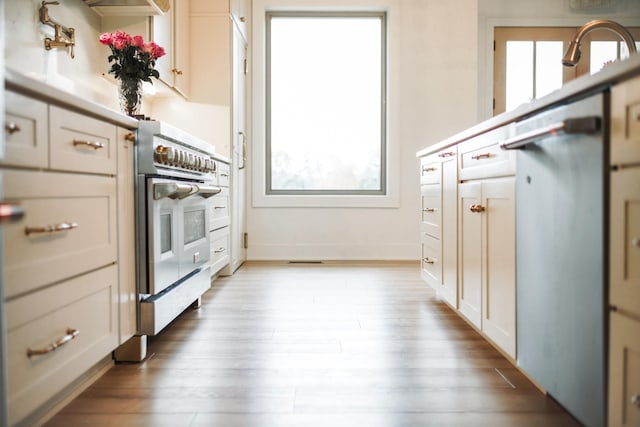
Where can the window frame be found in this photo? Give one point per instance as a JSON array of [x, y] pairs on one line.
[[383, 172]]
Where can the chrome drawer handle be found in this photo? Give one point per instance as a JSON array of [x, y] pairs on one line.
[[51, 228], [481, 156], [429, 210], [220, 207], [428, 260], [70, 334], [12, 128], [93, 144], [635, 400], [476, 208], [218, 250], [446, 154]]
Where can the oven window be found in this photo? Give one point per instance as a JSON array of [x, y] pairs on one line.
[[165, 233], [194, 225]]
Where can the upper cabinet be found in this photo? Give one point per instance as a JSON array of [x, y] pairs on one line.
[[171, 31], [239, 10]]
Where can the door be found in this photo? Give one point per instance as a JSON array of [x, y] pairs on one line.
[[239, 152], [470, 273]]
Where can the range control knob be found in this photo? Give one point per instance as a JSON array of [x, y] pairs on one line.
[[160, 154]]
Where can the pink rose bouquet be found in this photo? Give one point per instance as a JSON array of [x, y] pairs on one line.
[[132, 62]]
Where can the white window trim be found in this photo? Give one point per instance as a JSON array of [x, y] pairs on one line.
[[259, 196]]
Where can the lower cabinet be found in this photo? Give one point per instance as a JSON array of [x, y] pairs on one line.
[[624, 371], [487, 279], [56, 334]]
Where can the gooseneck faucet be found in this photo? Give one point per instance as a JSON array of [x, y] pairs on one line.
[[572, 56]]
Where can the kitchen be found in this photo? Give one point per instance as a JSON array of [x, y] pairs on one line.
[[453, 97]]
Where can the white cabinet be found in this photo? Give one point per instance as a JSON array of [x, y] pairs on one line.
[[487, 241], [70, 261], [439, 173], [171, 31], [220, 219], [487, 259], [624, 256]]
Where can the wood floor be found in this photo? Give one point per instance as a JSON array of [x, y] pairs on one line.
[[358, 345]]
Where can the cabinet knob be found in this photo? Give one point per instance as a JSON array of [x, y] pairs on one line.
[[635, 400], [635, 242], [243, 19], [12, 128], [477, 208]]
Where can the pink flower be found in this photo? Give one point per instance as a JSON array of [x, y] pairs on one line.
[[106, 38], [121, 40], [153, 50], [137, 41]]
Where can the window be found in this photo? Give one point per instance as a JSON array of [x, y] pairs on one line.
[[325, 103], [527, 60]]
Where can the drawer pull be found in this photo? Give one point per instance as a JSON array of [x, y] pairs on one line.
[[219, 206], [446, 154], [481, 156], [635, 400], [51, 228], [176, 71], [218, 250], [12, 128], [93, 144], [130, 137], [476, 208], [10, 212], [70, 334], [225, 174], [428, 260], [429, 169], [429, 210], [635, 242]]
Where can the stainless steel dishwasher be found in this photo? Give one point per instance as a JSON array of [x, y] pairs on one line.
[[561, 264]]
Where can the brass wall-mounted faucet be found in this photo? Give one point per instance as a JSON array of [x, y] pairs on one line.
[[63, 36]]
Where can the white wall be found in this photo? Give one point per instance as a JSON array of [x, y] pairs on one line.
[[432, 78]]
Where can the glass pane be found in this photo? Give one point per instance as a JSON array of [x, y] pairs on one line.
[[194, 225], [601, 53], [548, 67], [326, 103], [519, 81], [165, 233]]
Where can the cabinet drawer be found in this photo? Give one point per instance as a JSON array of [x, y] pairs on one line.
[[219, 210], [85, 304], [80, 143], [223, 174], [26, 123], [625, 240], [625, 122], [430, 170], [219, 249], [485, 161], [40, 257], [624, 371], [431, 261], [431, 209]]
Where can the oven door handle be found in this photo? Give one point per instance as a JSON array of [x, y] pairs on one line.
[[173, 190], [206, 191]]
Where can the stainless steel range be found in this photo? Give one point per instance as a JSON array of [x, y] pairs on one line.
[[175, 178]]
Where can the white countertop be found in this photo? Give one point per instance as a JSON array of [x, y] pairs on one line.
[[25, 85], [574, 89]]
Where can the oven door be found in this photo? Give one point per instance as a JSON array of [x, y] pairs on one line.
[[163, 229], [193, 236]]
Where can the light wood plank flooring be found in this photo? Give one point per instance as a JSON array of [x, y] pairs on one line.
[[332, 344]]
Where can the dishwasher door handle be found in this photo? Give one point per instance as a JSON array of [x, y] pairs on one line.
[[581, 125]]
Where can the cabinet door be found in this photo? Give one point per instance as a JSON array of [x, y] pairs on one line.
[[449, 231], [181, 49], [625, 122], [162, 28], [624, 372], [470, 252], [625, 240], [499, 276], [26, 125], [126, 236], [240, 12]]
